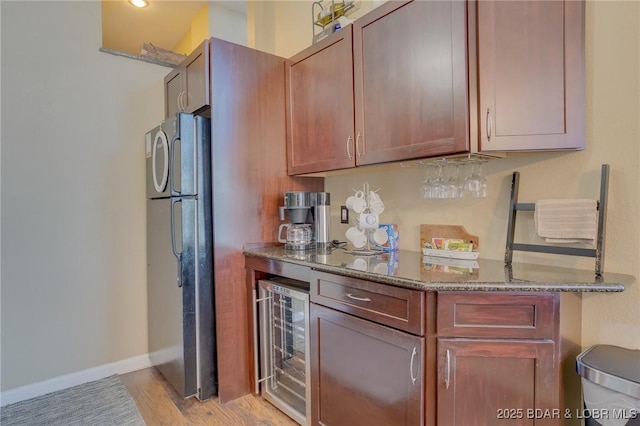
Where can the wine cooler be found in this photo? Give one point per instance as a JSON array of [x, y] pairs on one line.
[[283, 307]]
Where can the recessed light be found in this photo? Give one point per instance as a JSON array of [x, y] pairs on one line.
[[139, 3]]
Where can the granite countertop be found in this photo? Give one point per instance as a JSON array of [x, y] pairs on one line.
[[408, 269]]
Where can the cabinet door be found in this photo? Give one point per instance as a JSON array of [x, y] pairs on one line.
[[173, 92], [497, 382], [186, 88], [531, 75], [196, 75], [320, 106], [410, 81], [363, 373]]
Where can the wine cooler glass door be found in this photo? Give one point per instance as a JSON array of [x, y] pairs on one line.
[[284, 347]]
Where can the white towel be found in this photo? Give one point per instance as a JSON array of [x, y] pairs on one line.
[[567, 221]]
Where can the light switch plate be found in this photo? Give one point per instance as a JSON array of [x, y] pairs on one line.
[[344, 214]]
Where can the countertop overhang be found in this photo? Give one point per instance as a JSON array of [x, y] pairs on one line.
[[407, 269]]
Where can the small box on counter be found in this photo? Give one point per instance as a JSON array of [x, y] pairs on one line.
[[393, 238]]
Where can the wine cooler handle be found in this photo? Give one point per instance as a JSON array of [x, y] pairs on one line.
[[413, 356], [256, 347]]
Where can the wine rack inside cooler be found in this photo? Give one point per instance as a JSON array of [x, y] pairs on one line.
[[284, 346]]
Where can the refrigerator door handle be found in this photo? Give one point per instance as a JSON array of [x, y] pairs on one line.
[[172, 175], [178, 255]]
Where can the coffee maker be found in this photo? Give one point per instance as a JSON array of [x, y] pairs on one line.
[[308, 214]]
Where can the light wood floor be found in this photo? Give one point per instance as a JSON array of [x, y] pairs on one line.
[[160, 405]]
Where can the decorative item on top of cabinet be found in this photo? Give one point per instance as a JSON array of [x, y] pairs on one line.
[[325, 16], [186, 88], [405, 107], [531, 75]]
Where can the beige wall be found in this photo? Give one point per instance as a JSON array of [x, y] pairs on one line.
[[228, 21], [613, 137], [198, 31], [73, 193]]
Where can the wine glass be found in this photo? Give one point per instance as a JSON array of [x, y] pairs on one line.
[[426, 189], [439, 187], [475, 185]]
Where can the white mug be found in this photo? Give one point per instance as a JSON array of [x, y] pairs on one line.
[[356, 237], [379, 237], [357, 204]]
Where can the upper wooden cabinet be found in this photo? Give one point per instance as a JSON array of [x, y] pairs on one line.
[[394, 90], [320, 106], [186, 88], [531, 75], [410, 81]]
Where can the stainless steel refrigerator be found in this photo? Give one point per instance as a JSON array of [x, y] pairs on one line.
[[180, 254]]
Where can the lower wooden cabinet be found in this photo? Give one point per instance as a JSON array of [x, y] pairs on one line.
[[364, 373], [496, 382]]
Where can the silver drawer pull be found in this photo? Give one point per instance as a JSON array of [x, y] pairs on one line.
[[361, 299]]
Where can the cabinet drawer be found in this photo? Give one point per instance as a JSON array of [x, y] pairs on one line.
[[496, 315], [395, 307]]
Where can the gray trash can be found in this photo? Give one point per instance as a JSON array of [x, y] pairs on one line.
[[610, 385]]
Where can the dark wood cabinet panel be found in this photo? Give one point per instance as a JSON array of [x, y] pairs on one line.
[[394, 90], [396, 307], [173, 91], [525, 316], [248, 164], [186, 88], [531, 75], [364, 373], [410, 81], [320, 106], [496, 382]]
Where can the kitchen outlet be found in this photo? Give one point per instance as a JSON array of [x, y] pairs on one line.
[[344, 214]]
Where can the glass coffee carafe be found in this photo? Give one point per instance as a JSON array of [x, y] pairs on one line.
[[298, 236]]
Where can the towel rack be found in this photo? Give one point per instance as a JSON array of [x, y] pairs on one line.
[[597, 253]]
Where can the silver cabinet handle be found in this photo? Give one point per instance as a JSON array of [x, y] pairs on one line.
[[361, 299], [489, 123], [446, 382], [413, 355], [358, 145], [349, 140], [181, 104]]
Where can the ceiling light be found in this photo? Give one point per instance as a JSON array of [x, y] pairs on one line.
[[139, 3]]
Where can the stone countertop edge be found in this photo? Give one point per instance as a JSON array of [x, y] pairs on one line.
[[273, 252]]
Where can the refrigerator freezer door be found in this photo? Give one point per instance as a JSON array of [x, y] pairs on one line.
[[171, 309], [184, 158]]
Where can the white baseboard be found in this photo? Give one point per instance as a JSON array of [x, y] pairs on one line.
[[68, 380]]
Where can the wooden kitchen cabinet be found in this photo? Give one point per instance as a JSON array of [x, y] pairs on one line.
[[531, 75], [320, 124], [186, 88], [498, 359], [363, 373], [394, 90], [494, 382], [410, 81], [363, 370]]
